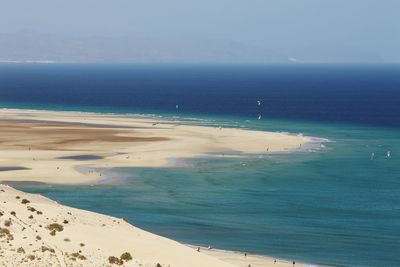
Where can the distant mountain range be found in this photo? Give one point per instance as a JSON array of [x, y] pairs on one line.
[[28, 46], [31, 46]]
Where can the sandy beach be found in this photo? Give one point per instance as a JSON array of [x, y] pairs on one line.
[[73, 147], [36, 231]]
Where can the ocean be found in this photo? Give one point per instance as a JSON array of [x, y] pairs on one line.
[[332, 206]]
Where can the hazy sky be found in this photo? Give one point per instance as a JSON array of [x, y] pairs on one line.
[[320, 26]]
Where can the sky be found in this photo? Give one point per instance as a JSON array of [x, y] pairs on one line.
[[359, 29]]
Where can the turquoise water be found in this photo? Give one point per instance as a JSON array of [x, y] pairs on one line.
[[332, 206]]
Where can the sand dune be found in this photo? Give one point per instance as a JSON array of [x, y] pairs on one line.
[[81, 238]]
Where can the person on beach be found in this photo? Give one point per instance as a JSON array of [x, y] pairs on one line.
[[198, 249], [294, 263]]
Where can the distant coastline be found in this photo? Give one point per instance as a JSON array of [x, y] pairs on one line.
[[29, 61]]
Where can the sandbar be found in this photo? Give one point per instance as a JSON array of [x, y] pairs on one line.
[[55, 146]]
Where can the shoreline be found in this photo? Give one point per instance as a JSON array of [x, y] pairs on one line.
[[256, 260], [27, 224]]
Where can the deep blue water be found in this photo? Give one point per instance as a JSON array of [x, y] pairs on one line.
[[333, 206], [354, 94]]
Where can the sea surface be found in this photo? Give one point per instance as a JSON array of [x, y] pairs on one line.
[[333, 205]]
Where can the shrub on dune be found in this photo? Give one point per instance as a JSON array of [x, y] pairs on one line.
[[25, 201], [115, 260], [55, 227], [126, 256]]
